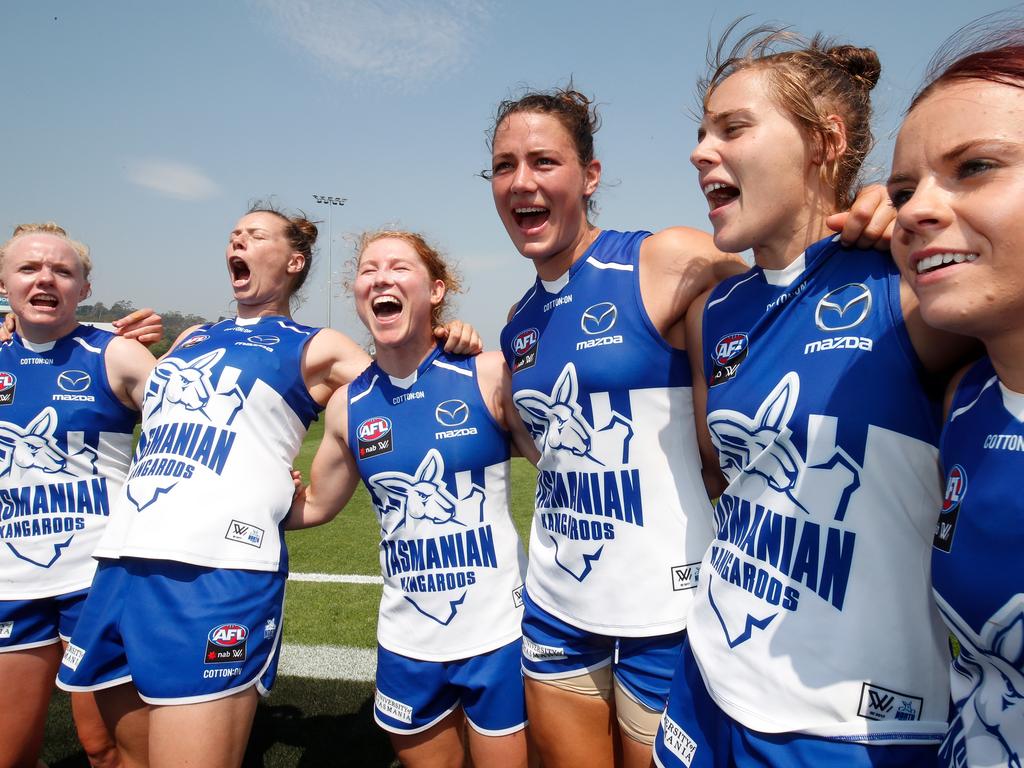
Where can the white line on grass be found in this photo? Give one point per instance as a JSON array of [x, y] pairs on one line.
[[336, 578], [328, 662]]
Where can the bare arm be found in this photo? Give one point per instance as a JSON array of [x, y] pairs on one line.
[[714, 480], [128, 365], [496, 387], [676, 266], [330, 361], [333, 477]]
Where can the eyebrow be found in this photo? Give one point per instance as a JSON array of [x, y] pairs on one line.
[[952, 155], [719, 117]]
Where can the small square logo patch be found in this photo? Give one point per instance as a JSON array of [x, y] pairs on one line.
[[878, 703], [685, 576], [393, 708], [73, 656], [6, 629], [678, 740]]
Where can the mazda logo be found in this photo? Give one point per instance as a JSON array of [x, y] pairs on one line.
[[265, 340], [598, 318], [451, 413], [843, 308], [74, 381]]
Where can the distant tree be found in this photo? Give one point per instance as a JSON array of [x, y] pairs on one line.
[[174, 322]]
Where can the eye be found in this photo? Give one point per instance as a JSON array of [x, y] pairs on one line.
[[546, 161], [973, 167], [900, 196], [733, 129], [503, 166]]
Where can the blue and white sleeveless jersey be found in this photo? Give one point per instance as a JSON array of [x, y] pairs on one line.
[[65, 443], [223, 417], [976, 570], [813, 614], [436, 465], [622, 518]]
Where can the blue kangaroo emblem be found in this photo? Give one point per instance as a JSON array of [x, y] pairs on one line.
[[988, 689]]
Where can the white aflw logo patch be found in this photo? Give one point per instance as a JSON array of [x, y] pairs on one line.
[[393, 708], [6, 629], [73, 656], [678, 740], [878, 703]]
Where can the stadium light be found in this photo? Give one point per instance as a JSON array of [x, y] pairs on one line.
[[330, 201]]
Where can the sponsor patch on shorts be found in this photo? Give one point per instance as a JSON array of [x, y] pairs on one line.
[[677, 740], [685, 576], [878, 703], [6, 629], [393, 708], [537, 652], [245, 533], [73, 656]]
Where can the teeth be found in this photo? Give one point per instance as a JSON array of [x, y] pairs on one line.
[[533, 209], [709, 188], [381, 300], [940, 259]]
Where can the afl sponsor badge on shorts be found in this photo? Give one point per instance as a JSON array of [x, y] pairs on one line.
[[73, 656], [7, 382], [524, 349], [375, 437], [226, 644], [729, 352], [677, 740], [945, 527], [6, 629]]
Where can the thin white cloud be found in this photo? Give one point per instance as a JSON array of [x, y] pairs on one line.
[[398, 39], [177, 180]]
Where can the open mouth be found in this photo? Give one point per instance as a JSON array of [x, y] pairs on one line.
[[937, 261], [386, 307], [719, 194], [530, 216], [239, 269], [43, 301]]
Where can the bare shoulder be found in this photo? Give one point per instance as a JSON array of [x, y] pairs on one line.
[[679, 249], [491, 366], [330, 360]]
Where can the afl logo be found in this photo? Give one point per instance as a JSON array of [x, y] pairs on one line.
[[729, 347], [375, 437], [843, 308], [451, 413], [192, 341], [228, 635], [7, 382], [74, 381], [956, 487], [265, 340], [598, 318], [524, 349]]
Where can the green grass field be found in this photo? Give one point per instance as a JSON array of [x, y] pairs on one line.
[[310, 722]]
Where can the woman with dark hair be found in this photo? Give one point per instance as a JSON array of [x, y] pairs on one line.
[[186, 608], [427, 432], [957, 181], [812, 639]]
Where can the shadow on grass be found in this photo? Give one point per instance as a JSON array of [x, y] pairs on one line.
[[304, 724]]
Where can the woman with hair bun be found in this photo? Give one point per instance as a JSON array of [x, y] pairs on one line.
[[957, 183], [185, 611], [601, 382], [812, 639]]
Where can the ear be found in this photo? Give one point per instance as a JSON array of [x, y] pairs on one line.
[[592, 178], [835, 139], [86, 291], [437, 292], [296, 262]]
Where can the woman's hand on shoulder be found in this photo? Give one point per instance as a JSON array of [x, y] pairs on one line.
[[331, 360], [143, 325], [869, 222], [459, 338]]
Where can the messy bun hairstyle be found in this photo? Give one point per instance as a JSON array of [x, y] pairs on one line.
[[300, 231], [576, 112], [810, 81]]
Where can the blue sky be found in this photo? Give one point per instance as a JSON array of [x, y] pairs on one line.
[[146, 128]]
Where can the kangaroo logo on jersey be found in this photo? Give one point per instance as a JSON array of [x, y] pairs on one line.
[[945, 527], [598, 318], [524, 349], [771, 555], [7, 385], [226, 643], [988, 689], [40, 496], [451, 413], [730, 351], [196, 436], [434, 554], [843, 308], [375, 437], [580, 508], [74, 381]]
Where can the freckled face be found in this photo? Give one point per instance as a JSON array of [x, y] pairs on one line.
[[394, 293], [540, 189], [44, 281], [957, 183], [754, 165]]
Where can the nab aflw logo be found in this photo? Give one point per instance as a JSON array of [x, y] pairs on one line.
[[524, 349], [375, 437]]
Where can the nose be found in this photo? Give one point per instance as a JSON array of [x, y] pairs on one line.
[[523, 179], [704, 155], [927, 209]]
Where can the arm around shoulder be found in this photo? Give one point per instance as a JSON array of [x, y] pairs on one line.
[[495, 382], [331, 360], [128, 365], [714, 480]]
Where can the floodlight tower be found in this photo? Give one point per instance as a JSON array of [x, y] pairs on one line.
[[330, 201]]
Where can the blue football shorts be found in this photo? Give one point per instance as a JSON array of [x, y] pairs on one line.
[[40, 621], [181, 633], [643, 666], [695, 733], [413, 695]]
